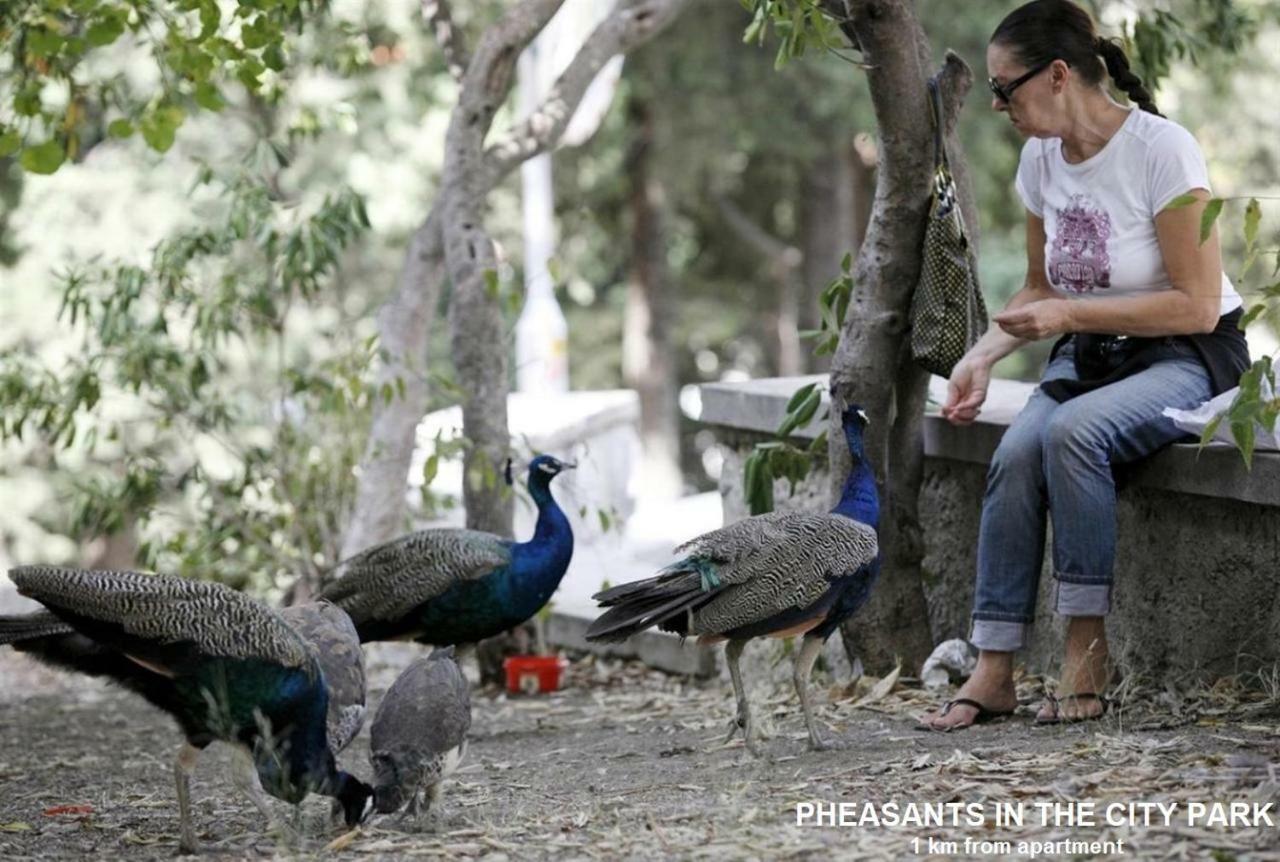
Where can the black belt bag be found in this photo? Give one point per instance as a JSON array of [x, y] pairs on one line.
[[1098, 356]]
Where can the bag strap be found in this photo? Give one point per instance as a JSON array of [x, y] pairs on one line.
[[935, 108]]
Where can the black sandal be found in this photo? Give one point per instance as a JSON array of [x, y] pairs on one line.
[[984, 715], [1082, 695]]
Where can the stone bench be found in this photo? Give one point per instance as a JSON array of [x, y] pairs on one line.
[[1199, 535]]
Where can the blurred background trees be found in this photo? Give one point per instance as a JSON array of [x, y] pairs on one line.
[[188, 351]]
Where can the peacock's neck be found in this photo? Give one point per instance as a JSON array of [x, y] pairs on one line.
[[860, 500], [539, 564], [553, 526]]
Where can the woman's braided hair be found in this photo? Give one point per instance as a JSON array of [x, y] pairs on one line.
[[1046, 30]]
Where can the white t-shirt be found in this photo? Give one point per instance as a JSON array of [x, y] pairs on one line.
[[1099, 214]]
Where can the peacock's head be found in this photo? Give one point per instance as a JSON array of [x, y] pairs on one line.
[[547, 467], [392, 786], [356, 798], [854, 418]]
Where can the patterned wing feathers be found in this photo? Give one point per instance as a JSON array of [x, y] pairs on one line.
[[793, 573], [388, 581], [166, 610]]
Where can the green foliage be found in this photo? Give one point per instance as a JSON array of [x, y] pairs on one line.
[[1253, 404], [833, 304], [1202, 33], [57, 97], [798, 25], [778, 458], [227, 462]]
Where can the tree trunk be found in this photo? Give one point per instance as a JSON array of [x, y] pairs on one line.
[[647, 362], [477, 331], [872, 365], [404, 326], [404, 321]]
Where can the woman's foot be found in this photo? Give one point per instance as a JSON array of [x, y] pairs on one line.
[[991, 685], [1085, 671]]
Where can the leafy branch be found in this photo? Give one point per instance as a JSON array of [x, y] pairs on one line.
[[779, 458], [1257, 402], [161, 371]]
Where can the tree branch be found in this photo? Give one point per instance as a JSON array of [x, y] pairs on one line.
[[405, 319], [783, 256], [632, 24], [439, 17]]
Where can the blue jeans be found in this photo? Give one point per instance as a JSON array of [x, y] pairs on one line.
[[1057, 457]]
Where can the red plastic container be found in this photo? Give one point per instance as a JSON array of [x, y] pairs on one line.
[[533, 674]]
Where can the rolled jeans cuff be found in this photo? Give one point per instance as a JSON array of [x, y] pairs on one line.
[[1073, 599], [998, 635]]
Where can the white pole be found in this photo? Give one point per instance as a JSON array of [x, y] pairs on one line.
[[542, 335]]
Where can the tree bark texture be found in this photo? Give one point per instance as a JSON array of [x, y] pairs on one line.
[[648, 365], [405, 319], [872, 366]]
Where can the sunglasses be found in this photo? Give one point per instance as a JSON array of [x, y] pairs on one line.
[[1005, 92]]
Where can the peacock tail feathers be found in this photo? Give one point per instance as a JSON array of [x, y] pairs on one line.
[[14, 629], [166, 610], [763, 566]]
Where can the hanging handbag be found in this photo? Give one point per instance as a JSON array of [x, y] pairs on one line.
[[947, 312]]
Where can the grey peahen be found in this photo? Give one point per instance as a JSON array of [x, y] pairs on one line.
[[454, 586], [223, 665], [419, 732], [333, 639], [774, 575]]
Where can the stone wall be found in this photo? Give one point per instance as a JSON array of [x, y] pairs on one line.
[[1198, 564]]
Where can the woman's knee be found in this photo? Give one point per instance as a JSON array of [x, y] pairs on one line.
[[1019, 454], [1069, 436]]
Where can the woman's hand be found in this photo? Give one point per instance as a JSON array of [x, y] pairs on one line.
[[1033, 321], [966, 390]]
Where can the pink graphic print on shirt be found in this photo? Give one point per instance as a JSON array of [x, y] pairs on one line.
[[1078, 258]]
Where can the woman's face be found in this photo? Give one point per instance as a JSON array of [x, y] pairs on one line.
[[1034, 106]]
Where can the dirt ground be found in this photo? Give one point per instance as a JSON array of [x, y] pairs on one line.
[[628, 763]]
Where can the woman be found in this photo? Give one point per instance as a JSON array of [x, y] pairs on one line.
[[1106, 256]]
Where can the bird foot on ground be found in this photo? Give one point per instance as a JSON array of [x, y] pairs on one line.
[[819, 741]]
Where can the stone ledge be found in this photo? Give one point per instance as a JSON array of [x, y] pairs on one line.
[[656, 649], [1217, 471]]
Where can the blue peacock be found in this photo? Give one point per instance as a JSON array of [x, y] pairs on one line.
[[775, 575], [223, 665], [453, 586]]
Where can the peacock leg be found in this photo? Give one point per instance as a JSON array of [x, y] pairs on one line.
[[733, 652], [435, 793], [244, 774], [183, 765], [808, 654], [409, 814]]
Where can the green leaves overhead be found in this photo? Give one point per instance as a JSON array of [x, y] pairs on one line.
[[798, 24], [195, 49], [1205, 32]]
